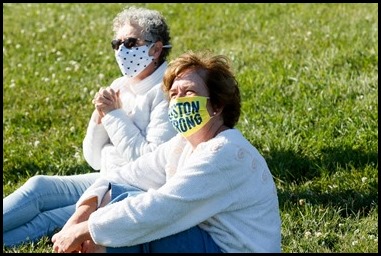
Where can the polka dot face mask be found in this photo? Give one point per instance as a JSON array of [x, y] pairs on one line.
[[134, 60]]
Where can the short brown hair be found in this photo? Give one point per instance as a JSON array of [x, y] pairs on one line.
[[219, 78]]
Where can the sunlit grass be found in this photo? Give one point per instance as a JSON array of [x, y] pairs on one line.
[[309, 83]]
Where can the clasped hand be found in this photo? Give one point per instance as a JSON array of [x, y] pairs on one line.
[[71, 239], [106, 100]]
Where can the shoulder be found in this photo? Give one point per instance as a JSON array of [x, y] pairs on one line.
[[229, 148], [119, 82], [157, 95], [227, 140]]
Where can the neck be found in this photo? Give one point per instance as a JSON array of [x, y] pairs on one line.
[[209, 131]]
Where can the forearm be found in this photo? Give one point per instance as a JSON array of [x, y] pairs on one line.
[[83, 212]]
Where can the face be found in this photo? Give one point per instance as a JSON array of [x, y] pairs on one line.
[[189, 108], [128, 34], [135, 56], [189, 83]]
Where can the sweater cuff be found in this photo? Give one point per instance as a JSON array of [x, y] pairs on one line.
[[99, 188]]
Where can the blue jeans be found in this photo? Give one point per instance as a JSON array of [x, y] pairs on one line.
[[194, 240], [41, 206]]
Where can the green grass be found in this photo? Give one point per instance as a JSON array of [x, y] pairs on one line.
[[309, 81]]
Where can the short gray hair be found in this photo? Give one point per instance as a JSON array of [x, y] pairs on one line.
[[152, 22]]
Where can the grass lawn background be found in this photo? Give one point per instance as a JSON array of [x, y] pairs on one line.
[[309, 82]]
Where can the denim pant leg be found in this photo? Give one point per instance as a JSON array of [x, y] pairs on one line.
[[44, 224], [121, 191], [194, 239], [38, 206]]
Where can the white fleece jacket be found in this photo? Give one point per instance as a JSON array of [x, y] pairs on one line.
[[224, 186], [127, 133]]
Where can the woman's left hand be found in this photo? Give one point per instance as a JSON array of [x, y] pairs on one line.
[[70, 239], [107, 100]]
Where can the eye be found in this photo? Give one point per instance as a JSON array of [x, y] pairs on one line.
[[190, 93], [172, 95]]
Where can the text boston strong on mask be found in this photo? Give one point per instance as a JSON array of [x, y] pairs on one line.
[[188, 114]]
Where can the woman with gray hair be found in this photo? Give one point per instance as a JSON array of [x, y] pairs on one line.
[[129, 120]]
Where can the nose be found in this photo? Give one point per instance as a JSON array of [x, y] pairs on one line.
[[181, 94]]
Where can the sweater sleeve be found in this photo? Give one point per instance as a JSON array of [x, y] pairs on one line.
[[199, 190], [95, 139], [150, 166], [129, 140], [98, 189]]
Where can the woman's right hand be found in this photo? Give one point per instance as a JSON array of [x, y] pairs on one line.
[[106, 100]]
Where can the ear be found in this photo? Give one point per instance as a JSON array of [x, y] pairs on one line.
[[217, 111], [156, 49]]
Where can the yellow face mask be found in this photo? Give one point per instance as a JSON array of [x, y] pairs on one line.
[[188, 114]]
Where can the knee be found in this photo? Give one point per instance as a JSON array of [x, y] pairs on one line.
[[38, 181]]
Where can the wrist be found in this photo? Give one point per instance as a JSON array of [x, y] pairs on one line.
[[84, 232]]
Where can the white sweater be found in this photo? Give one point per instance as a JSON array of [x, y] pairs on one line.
[[224, 185], [127, 133]]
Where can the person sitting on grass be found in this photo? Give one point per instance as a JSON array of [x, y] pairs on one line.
[[136, 123], [208, 189]]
